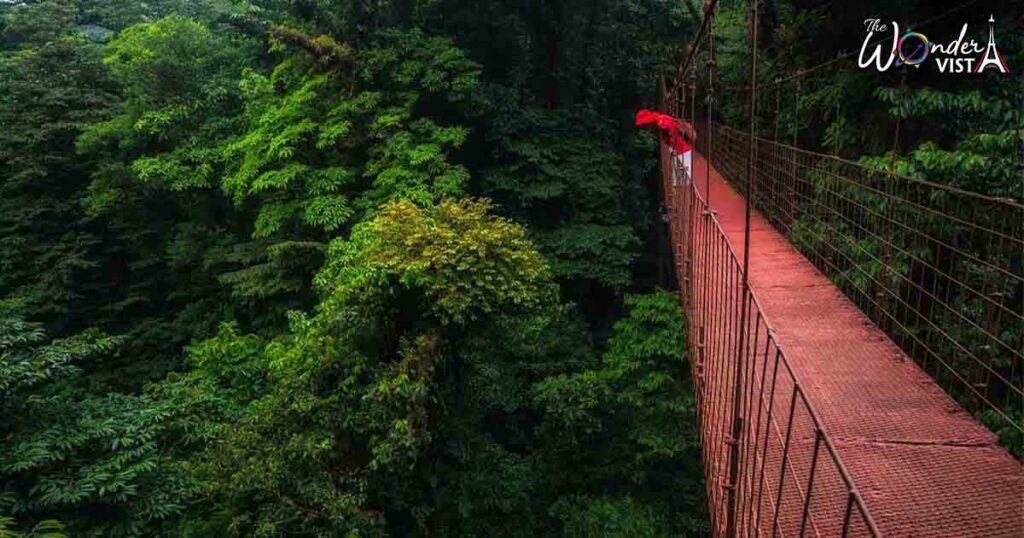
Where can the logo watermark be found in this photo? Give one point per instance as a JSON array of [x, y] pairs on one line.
[[912, 48]]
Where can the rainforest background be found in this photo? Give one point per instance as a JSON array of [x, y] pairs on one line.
[[373, 267]]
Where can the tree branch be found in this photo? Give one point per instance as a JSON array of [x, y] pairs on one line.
[[328, 53]]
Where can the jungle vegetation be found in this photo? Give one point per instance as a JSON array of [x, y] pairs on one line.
[[337, 268]]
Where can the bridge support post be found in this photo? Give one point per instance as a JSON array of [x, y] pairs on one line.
[[698, 379], [733, 505], [710, 10]]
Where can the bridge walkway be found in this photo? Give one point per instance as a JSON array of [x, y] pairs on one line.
[[922, 465]]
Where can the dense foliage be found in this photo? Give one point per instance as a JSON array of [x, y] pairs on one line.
[[954, 128], [318, 268]]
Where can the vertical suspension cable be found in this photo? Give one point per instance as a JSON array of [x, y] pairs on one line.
[[777, 149], [710, 14], [890, 203], [737, 414], [681, 111], [794, 170], [1019, 143], [796, 107], [682, 103], [778, 110], [838, 130], [693, 99]]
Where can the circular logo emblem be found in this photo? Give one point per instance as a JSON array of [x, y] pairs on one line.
[[913, 48]]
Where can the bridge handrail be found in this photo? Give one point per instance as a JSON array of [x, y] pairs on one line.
[[938, 268], [894, 175], [719, 361]]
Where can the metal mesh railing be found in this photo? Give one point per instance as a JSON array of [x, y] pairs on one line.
[[939, 269], [790, 480]]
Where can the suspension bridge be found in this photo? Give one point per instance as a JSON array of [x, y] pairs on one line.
[[856, 336]]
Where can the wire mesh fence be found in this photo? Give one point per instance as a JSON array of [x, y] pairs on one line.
[[939, 269], [787, 479]]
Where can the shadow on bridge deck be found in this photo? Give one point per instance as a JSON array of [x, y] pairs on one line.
[[923, 466]]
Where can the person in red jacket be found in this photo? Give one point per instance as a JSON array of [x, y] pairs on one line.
[[678, 134]]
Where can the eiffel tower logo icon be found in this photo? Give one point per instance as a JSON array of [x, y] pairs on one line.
[[992, 57]]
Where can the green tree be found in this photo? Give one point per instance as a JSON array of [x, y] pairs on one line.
[[612, 432], [335, 443], [52, 85], [321, 331], [91, 461], [555, 146]]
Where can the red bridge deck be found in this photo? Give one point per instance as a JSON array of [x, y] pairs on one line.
[[922, 465]]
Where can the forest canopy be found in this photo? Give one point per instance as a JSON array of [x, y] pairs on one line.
[[323, 268]]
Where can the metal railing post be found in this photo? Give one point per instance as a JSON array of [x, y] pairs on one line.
[[737, 415]]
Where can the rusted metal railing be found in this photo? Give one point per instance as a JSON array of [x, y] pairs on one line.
[[939, 269], [789, 480]]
